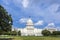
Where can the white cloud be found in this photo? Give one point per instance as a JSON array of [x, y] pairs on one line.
[[53, 8], [25, 3], [40, 22], [51, 14], [20, 3], [23, 20], [50, 25]]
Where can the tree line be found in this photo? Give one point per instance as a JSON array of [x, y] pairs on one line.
[[48, 33]]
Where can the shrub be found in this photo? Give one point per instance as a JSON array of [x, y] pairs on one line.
[[46, 33], [19, 33]]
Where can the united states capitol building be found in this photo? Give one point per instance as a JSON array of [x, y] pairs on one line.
[[30, 30]]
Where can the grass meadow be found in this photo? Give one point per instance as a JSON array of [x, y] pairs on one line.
[[31, 37]]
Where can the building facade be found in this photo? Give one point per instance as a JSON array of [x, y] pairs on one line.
[[29, 30]]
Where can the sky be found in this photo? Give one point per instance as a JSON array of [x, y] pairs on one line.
[[42, 12]]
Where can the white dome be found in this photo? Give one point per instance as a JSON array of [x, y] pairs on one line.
[[29, 22]]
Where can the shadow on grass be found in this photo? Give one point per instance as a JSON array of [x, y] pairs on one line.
[[5, 38]]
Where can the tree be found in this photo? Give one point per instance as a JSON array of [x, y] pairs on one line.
[[5, 20], [19, 33], [14, 33], [46, 33], [55, 33]]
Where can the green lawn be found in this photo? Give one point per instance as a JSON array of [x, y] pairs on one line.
[[31, 38]]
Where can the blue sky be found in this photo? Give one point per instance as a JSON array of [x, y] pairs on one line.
[[42, 12]]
